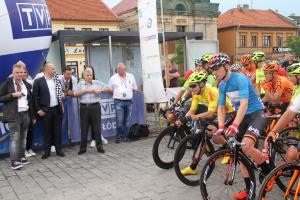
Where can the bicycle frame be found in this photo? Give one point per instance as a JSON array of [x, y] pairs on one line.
[[175, 135], [203, 138]]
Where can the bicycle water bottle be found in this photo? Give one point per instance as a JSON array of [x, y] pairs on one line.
[[265, 153]]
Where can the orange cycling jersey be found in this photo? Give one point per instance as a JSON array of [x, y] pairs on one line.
[[280, 85], [250, 74]]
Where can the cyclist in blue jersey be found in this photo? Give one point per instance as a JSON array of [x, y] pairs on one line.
[[250, 118]]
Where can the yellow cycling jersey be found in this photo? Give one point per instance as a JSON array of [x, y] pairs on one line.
[[209, 98]]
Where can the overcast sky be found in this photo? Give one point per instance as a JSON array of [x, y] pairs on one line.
[[285, 7]]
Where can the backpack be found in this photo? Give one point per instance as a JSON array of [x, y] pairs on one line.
[[137, 131]]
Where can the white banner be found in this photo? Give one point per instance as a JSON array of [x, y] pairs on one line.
[[152, 77]]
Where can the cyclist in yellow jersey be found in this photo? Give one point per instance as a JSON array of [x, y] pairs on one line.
[[291, 112], [258, 57], [200, 65], [203, 95]]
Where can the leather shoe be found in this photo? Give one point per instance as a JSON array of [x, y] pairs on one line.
[[100, 150], [60, 153], [81, 152], [45, 155]]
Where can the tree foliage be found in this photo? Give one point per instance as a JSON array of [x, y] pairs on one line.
[[178, 57], [294, 44]]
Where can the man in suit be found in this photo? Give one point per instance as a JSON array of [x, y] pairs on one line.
[[47, 93], [15, 94]]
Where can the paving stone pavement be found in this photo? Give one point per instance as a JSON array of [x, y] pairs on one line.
[[126, 171]]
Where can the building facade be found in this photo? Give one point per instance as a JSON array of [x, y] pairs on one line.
[[179, 16], [242, 30], [88, 15], [297, 20]]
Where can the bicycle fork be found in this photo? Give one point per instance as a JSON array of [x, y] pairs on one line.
[[291, 184], [229, 179], [172, 140]]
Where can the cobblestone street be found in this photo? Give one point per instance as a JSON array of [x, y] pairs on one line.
[[126, 171]]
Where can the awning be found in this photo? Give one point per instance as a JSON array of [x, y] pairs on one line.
[[85, 37]]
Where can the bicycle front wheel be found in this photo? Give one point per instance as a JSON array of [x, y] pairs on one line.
[[188, 150], [219, 181], [165, 145], [288, 176]]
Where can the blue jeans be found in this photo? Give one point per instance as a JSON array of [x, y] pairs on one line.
[[123, 113], [18, 133]]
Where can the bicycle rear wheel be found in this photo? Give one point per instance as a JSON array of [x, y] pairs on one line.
[[215, 179], [271, 190]]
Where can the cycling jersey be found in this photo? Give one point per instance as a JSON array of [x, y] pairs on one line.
[[296, 92], [185, 86], [295, 102], [209, 98], [279, 85], [260, 77], [251, 73], [211, 81], [239, 87], [282, 72]]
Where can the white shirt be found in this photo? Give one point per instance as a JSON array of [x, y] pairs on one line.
[[22, 101], [122, 86], [53, 97]]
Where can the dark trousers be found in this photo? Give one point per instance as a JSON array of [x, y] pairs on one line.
[[18, 131], [29, 139], [51, 123], [90, 115]]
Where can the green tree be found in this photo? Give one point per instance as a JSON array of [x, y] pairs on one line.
[[294, 44], [178, 58]]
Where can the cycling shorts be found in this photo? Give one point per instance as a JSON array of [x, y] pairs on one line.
[[252, 126]]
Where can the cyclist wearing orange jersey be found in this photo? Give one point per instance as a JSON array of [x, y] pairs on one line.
[[293, 109], [278, 89], [249, 69]]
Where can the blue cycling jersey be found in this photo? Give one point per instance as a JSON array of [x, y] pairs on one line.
[[239, 87]]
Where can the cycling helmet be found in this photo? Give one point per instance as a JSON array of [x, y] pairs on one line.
[[197, 77], [246, 59], [258, 56], [206, 58], [219, 59], [293, 69], [236, 67], [270, 66], [198, 62]]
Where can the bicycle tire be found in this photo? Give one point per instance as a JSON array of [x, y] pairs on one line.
[[274, 174], [216, 193], [169, 131], [274, 155], [191, 180]]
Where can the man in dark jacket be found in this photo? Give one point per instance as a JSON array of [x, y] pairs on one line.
[[47, 93], [15, 94]]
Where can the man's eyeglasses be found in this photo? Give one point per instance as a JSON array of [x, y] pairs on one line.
[[192, 86]]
